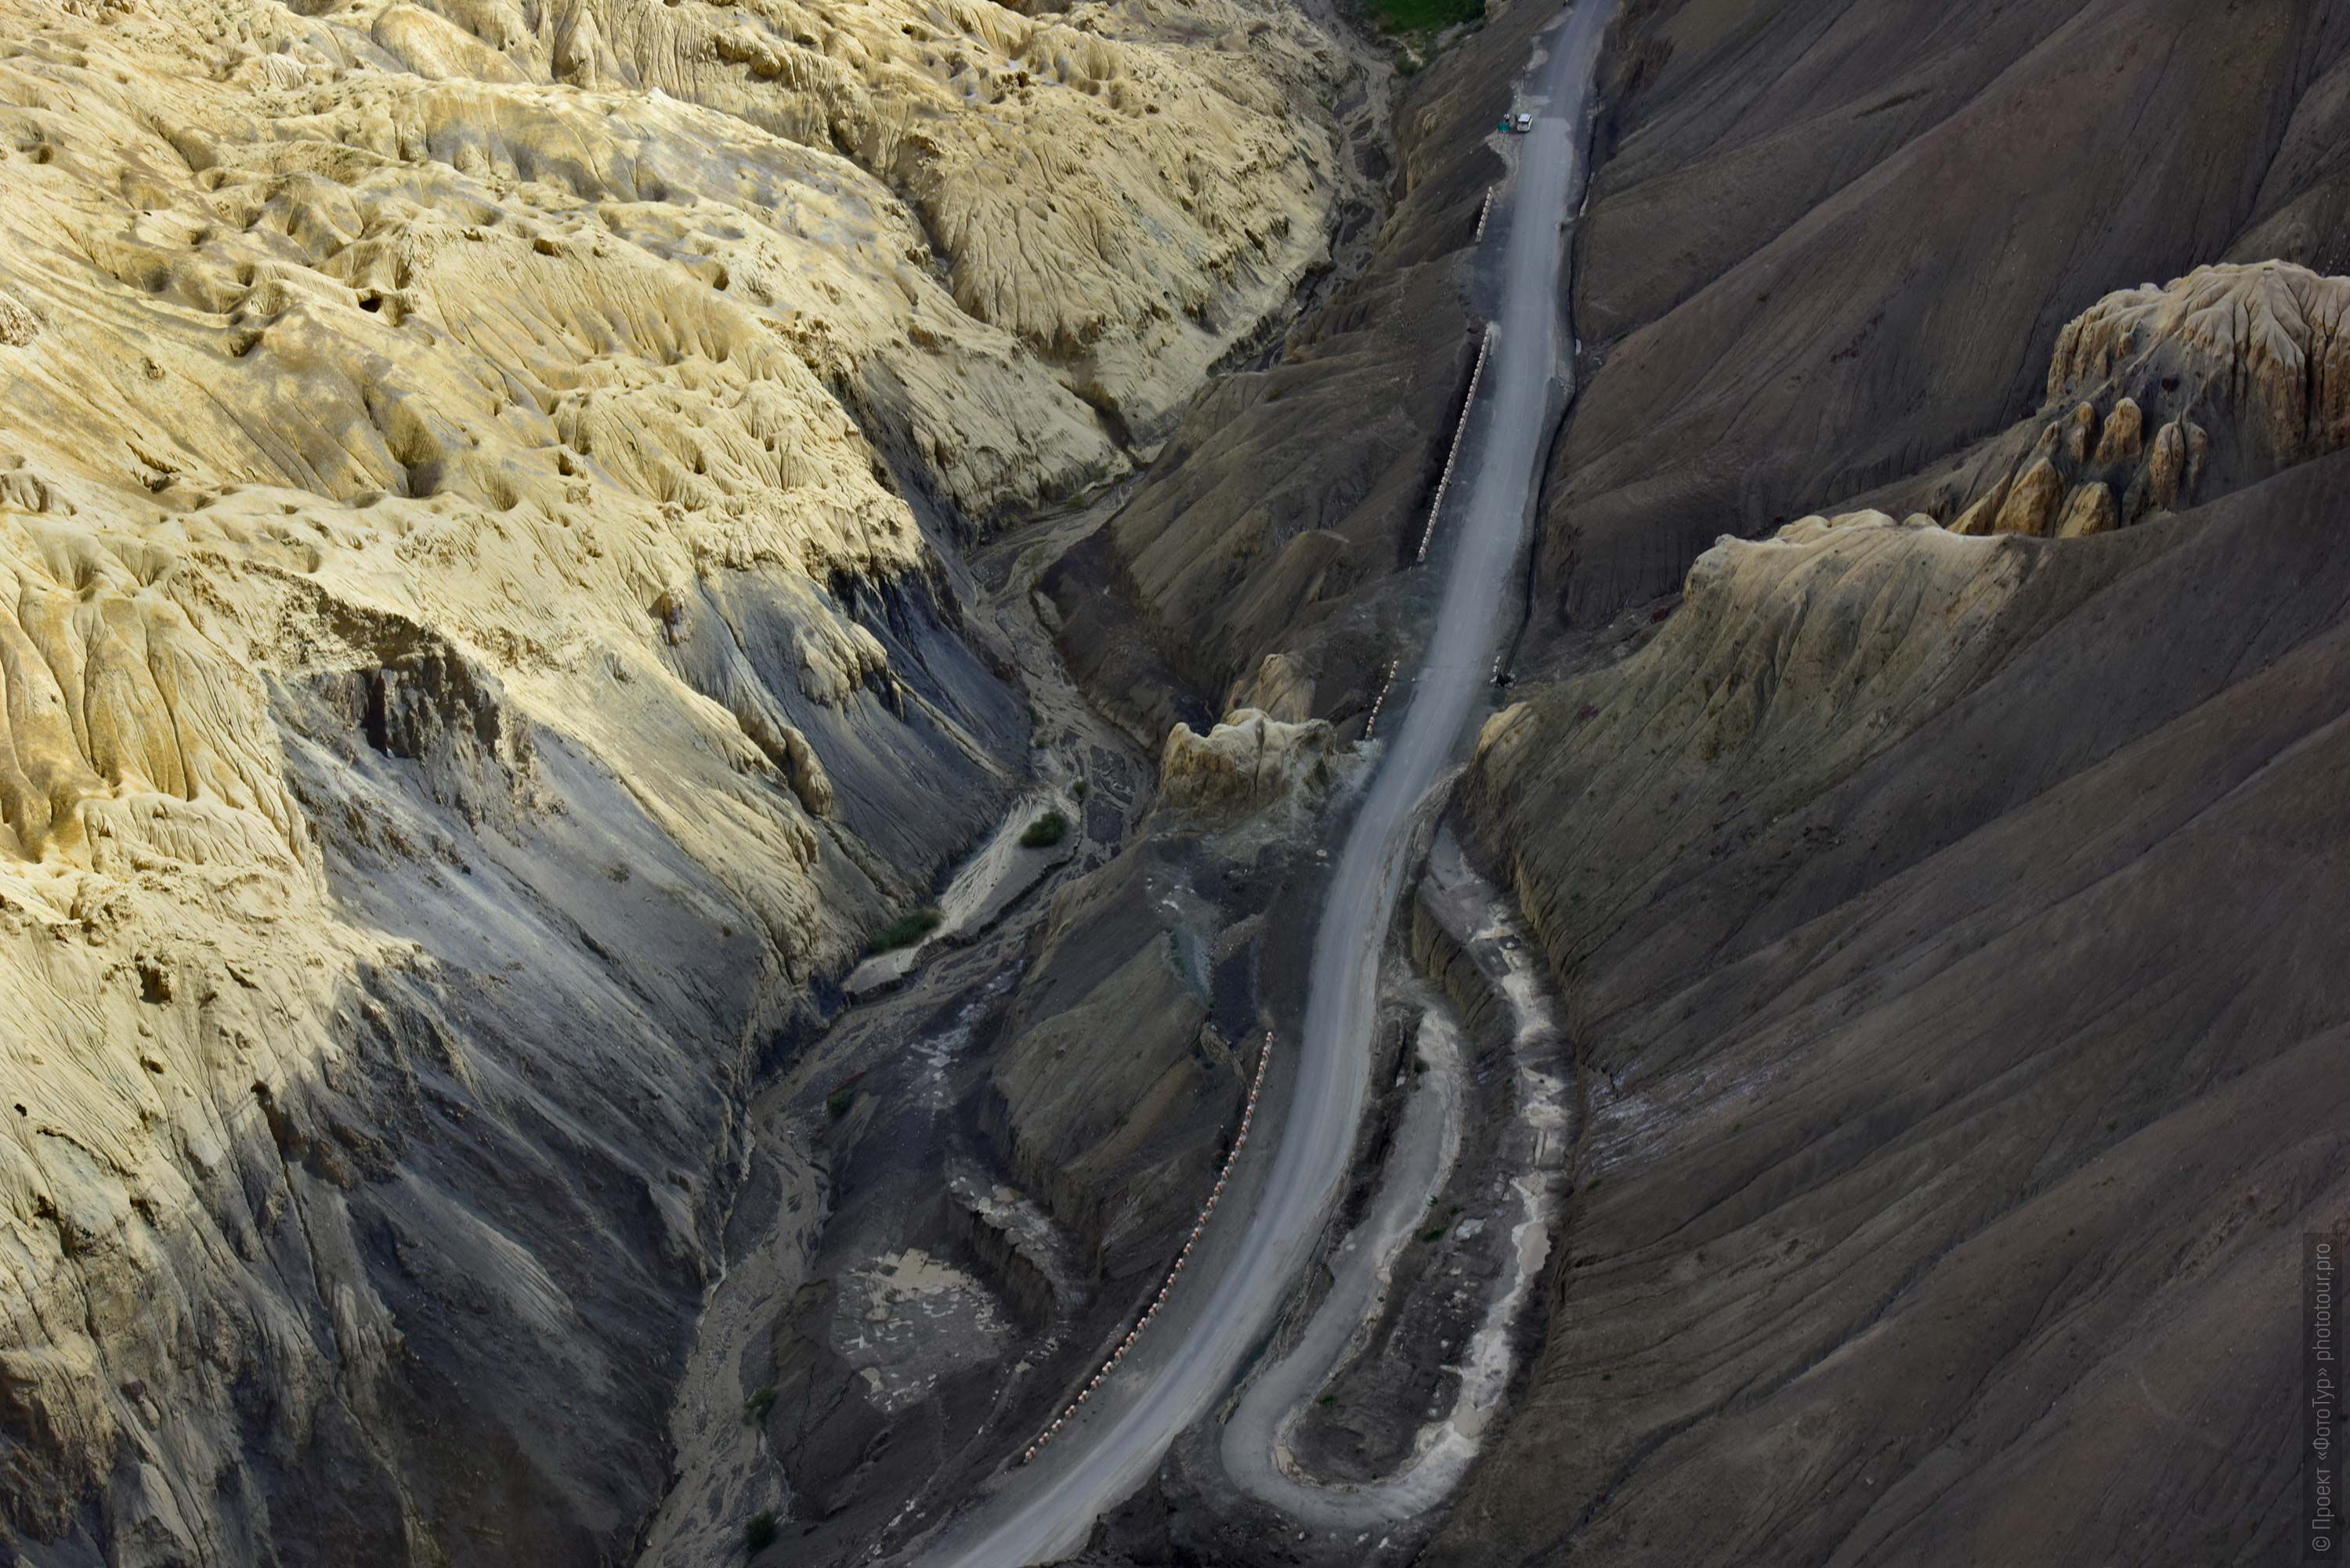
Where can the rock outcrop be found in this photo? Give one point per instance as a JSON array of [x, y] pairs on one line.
[[2031, 504], [2122, 434], [2089, 510], [2239, 371], [2259, 349], [1246, 765], [1279, 689]]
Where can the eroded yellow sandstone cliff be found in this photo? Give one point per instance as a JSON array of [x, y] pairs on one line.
[[507, 401]]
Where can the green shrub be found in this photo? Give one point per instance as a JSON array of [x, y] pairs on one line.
[[836, 1104], [755, 1409], [1426, 15], [1432, 1235], [907, 930], [1046, 831], [760, 1533]]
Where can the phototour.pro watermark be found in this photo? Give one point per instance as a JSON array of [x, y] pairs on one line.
[[2323, 1257]]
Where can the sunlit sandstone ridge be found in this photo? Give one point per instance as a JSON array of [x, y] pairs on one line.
[[469, 651]]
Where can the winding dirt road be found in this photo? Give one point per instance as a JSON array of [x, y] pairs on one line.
[[1234, 1289]]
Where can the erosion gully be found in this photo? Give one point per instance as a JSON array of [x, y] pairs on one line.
[[907, 1312]]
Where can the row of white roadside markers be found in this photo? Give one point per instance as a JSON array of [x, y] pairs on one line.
[[1436, 506], [1248, 1114], [1265, 1056], [1371, 725]]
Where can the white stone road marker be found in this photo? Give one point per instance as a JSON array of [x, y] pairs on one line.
[[1460, 431]]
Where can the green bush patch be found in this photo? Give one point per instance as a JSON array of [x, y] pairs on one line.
[[755, 1409], [760, 1533], [1046, 831], [1425, 15], [907, 930], [836, 1104]]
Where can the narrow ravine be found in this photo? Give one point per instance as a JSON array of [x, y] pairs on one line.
[[906, 1022], [1247, 1273]]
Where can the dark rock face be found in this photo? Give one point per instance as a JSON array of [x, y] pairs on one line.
[[1279, 514], [430, 1306], [426, 702], [1120, 1082], [1944, 908], [1945, 924], [1830, 244]]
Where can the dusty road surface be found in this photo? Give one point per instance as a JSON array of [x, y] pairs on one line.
[[1230, 1297], [1254, 1444]]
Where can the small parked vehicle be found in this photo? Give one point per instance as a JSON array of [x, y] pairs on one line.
[[1525, 122]]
